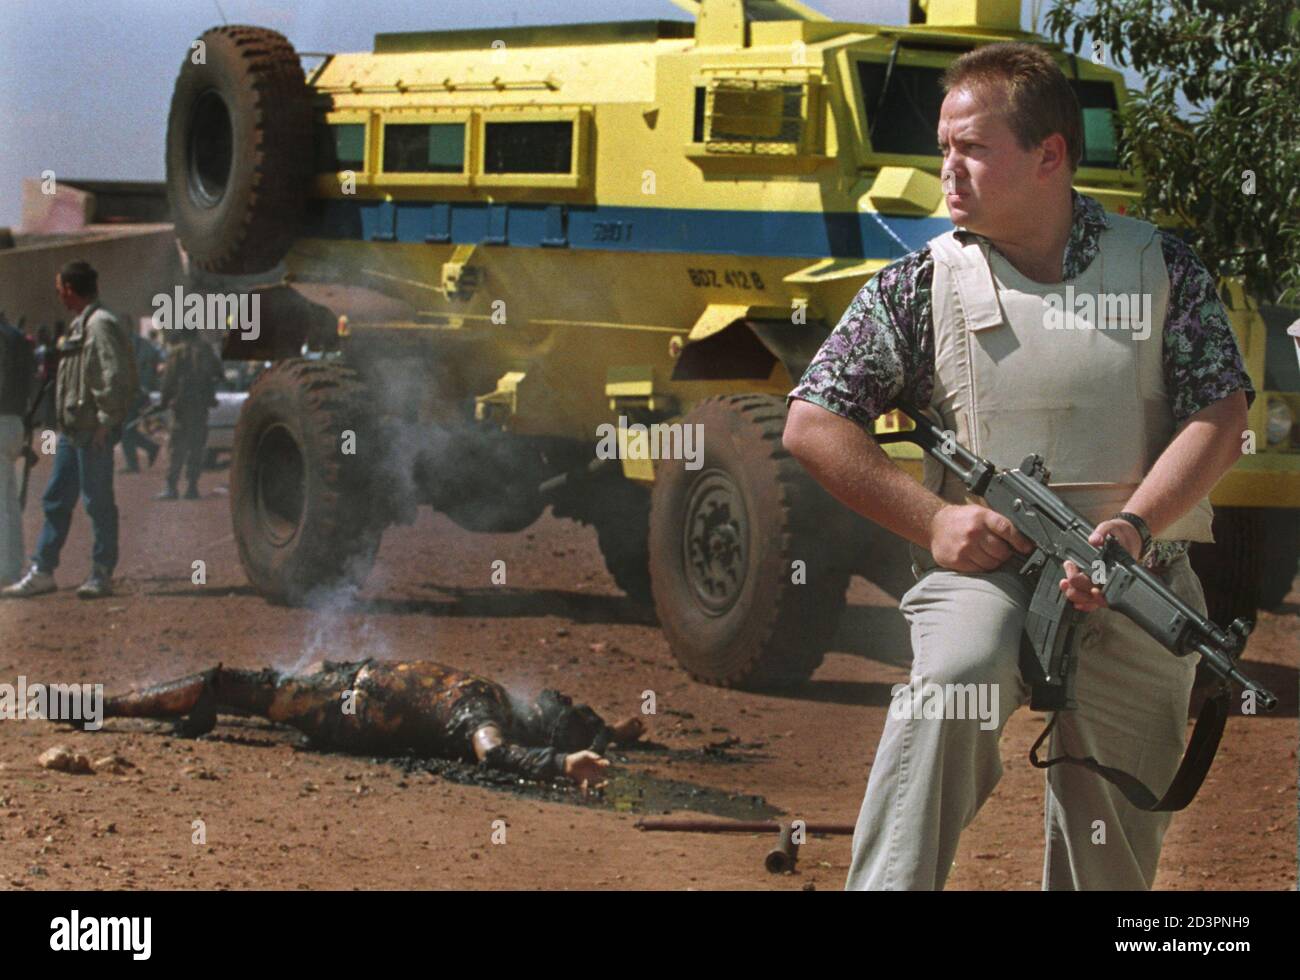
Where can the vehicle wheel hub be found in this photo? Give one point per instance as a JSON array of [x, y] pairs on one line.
[[716, 536]]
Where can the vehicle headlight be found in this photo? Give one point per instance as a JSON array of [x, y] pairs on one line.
[[1279, 420]]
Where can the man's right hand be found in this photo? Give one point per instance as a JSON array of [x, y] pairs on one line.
[[972, 538]]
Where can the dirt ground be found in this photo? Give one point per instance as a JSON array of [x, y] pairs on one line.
[[275, 815]]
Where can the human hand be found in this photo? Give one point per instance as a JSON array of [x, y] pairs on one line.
[[100, 439], [1081, 591], [584, 767], [973, 538]]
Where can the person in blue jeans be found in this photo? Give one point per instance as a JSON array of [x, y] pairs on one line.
[[97, 381]]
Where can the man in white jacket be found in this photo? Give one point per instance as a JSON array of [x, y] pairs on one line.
[[97, 381]]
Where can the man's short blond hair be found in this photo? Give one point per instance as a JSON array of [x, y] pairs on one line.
[[1033, 93]]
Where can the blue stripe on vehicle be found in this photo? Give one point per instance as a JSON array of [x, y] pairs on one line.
[[806, 234]]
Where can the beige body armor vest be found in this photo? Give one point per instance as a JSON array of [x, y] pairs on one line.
[[1071, 370]]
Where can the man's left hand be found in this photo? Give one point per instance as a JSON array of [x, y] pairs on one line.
[[1082, 592], [100, 439], [586, 768]]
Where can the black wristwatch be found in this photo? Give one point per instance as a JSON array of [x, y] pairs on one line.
[[1143, 531]]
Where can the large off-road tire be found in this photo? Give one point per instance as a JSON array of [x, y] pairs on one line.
[[306, 514], [1281, 556], [239, 150], [619, 510], [724, 538], [627, 558], [621, 516], [1250, 566], [1230, 569], [1252, 563]]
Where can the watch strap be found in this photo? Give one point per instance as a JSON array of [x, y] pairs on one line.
[[1144, 532]]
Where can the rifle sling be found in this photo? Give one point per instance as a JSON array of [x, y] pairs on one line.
[[1197, 759], [30, 415]]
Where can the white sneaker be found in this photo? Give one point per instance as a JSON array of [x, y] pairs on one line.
[[35, 582], [98, 585]]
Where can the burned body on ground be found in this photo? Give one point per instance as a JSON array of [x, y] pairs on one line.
[[389, 707]]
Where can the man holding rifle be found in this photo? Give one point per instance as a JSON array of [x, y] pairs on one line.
[[17, 377], [96, 382], [1138, 408]]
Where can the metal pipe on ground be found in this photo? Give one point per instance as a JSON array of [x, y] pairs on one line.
[[739, 827], [781, 858]]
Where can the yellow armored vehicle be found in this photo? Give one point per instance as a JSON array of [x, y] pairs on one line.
[[580, 266]]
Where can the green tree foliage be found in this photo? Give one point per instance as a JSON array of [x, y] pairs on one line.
[[1236, 63]]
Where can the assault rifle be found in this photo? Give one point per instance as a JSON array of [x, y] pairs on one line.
[[146, 416], [30, 458], [1060, 534]]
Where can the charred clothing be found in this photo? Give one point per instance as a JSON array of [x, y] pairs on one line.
[[382, 707]]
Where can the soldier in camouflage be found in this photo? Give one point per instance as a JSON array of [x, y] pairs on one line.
[[189, 388]]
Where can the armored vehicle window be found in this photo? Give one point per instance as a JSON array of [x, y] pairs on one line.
[[698, 133], [909, 115], [744, 112], [528, 148], [1099, 105], [340, 147], [424, 148]]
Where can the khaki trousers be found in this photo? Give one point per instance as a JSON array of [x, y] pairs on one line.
[[931, 775]]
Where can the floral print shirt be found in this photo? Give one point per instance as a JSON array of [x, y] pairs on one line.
[[883, 346]]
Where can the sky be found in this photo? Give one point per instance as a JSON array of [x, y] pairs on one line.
[[85, 85]]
